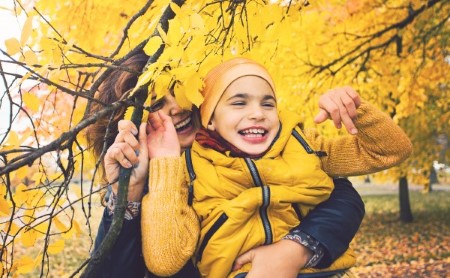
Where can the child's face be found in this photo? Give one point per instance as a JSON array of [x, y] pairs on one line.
[[246, 115]]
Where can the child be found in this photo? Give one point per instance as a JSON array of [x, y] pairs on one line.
[[254, 173]]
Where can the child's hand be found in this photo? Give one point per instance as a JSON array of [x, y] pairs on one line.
[[339, 105], [162, 139]]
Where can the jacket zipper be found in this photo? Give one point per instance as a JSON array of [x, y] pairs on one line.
[[219, 222], [265, 200], [192, 175]]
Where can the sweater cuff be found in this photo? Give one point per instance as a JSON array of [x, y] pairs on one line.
[[309, 242], [164, 173]]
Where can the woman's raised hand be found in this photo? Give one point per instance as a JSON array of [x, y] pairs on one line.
[[340, 106], [128, 151], [162, 140]]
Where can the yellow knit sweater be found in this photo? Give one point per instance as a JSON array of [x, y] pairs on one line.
[[170, 228]]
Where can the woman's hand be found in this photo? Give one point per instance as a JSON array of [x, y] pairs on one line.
[[162, 140], [339, 105], [128, 151], [284, 258]]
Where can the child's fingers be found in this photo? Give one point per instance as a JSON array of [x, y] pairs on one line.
[[321, 117], [353, 95], [347, 110], [155, 122], [166, 121], [143, 140], [331, 105]]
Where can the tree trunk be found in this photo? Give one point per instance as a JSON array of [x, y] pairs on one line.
[[433, 177], [405, 208]]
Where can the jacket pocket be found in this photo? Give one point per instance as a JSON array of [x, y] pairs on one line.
[[209, 234]]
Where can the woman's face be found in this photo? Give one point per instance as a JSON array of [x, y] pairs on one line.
[[186, 122], [246, 115]]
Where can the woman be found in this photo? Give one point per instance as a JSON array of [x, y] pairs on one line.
[[321, 237]]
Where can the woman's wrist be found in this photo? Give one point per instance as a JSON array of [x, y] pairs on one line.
[[314, 251], [135, 191], [132, 210]]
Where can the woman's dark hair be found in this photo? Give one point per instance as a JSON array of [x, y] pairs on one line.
[[111, 90]]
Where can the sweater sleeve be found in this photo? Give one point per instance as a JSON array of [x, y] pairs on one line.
[[378, 145], [170, 227]]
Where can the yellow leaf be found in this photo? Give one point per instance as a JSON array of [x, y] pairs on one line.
[[76, 227], [22, 172], [56, 247], [197, 21], [29, 238], [60, 225], [42, 228], [4, 206], [74, 230], [161, 32], [31, 101], [26, 76], [180, 97], [175, 32], [162, 85], [128, 113], [21, 194], [30, 58], [195, 86], [152, 45], [26, 31], [175, 8], [12, 46], [24, 265], [143, 79], [13, 139], [11, 228], [196, 50], [37, 177]]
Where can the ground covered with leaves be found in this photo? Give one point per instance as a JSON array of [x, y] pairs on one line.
[[386, 247]]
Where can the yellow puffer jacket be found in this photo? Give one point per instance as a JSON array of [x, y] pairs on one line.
[[170, 228], [244, 203]]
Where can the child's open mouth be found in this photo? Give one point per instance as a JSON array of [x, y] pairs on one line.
[[253, 132]]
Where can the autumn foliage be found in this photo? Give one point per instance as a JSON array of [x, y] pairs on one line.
[[395, 53]]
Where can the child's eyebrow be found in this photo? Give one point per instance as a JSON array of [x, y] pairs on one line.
[[240, 95], [244, 95], [269, 97]]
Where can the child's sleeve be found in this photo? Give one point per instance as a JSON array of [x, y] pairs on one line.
[[378, 145], [170, 228]]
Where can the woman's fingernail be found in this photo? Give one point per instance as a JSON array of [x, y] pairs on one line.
[[354, 131], [137, 152], [134, 131]]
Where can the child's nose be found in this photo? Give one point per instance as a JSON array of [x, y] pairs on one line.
[[256, 113]]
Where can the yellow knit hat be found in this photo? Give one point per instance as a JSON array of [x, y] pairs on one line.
[[220, 77]]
